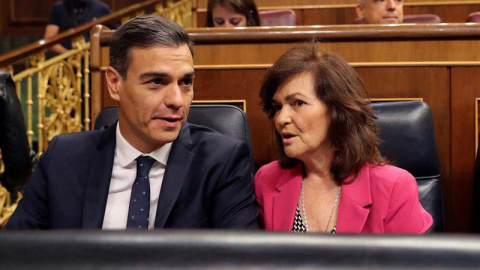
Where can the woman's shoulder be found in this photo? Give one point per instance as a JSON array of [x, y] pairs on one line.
[[385, 169], [271, 169], [388, 175], [272, 173]]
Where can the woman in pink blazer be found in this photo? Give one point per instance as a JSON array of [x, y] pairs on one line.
[[331, 177]]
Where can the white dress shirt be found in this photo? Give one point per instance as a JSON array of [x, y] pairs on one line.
[[123, 176]]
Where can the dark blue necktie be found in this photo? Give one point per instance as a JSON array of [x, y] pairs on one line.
[[139, 209]]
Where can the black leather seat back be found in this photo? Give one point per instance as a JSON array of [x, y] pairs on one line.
[[106, 117], [226, 119], [408, 141]]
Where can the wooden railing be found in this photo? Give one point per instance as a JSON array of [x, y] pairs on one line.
[[337, 12], [55, 92]]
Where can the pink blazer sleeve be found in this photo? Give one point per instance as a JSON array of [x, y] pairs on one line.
[[405, 213], [259, 194]]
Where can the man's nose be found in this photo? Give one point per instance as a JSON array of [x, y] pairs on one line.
[[174, 97], [391, 5]]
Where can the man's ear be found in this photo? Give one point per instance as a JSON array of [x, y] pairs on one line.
[[114, 82], [360, 9]]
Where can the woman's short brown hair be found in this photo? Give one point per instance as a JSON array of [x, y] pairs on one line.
[[244, 7], [352, 130]]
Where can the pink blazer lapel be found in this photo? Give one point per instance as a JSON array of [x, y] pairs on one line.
[[285, 202], [355, 203]]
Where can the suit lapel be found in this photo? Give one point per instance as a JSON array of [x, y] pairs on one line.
[[98, 181], [176, 171], [285, 202], [355, 203]]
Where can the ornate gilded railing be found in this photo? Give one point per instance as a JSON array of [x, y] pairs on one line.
[[7, 206], [61, 82], [55, 92]]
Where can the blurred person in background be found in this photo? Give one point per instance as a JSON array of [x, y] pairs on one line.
[[17, 156], [18, 159], [232, 13], [69, 14], [380, 11]]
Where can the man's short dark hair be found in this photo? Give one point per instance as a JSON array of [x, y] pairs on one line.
[[144, 31]]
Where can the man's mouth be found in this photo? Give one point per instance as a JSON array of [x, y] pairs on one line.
[[391, 17], [170, 119]]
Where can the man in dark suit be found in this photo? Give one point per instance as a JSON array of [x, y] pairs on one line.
[[151, 169]]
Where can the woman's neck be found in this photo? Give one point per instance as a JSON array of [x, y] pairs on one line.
[[317, 167]]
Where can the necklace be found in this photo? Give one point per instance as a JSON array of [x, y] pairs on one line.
[[331, 212]]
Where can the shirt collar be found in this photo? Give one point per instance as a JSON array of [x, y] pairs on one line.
[[126, 153]]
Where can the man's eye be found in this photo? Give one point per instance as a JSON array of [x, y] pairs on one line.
[[156, 81], [187, 82]]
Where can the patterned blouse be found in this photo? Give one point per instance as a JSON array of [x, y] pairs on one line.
[[299, 227]]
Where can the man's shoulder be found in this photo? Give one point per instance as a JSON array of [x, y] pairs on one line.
[[59, 6], [101, 6], [82, 135], [83, 140]]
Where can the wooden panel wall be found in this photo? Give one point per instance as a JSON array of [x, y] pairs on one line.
[[439, 64], [286, 3]]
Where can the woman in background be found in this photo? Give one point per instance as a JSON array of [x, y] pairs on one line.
[[232, 13], [331, 177]]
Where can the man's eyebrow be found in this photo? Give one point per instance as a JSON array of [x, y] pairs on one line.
[[153, 74], [189, 74]]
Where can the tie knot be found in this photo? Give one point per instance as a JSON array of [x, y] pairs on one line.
[[144, 164]]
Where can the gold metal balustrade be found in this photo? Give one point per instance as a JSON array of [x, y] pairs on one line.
[[55, 92]]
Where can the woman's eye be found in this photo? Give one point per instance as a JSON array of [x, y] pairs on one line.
[[235, 21], [219, 21], [276, 108], [299, 103]]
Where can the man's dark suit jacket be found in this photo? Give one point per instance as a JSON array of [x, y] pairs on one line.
[[207, 183]]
